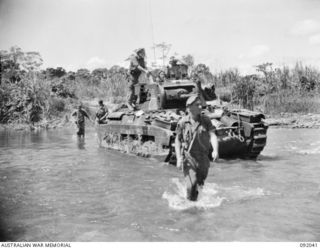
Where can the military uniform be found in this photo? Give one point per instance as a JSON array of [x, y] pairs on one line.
[[135, 73], [196, 158], [80, 122], [103, 110]]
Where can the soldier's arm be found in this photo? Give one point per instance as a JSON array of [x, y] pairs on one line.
[[201, 93], [145, 70], [74, 116], [106, 114], [86, 115], [177, 146], [135, 64], [213, 138], [215, 145]]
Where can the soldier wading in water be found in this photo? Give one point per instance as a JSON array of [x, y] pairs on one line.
[[80, 115], [195, 134]]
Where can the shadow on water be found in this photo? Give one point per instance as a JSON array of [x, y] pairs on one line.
[[4, 236], [269, 158], [8, 232]]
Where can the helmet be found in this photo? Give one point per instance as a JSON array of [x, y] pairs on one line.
[[139, 50]]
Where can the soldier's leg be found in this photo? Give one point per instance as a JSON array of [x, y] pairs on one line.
[[81, 130], [191, 181], [78, 130], [203, 168], [130, 93], [134, 79]]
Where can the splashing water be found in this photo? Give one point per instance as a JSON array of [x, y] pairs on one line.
[[207, 198], [312, 151], [303, 148], [210, 196]]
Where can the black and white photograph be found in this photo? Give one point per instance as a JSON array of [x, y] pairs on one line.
[[160, 121]]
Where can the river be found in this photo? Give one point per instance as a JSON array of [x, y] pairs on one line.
[[54, 188]]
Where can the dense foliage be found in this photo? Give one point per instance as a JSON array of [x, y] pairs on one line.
[[28, 94], [273, 90]]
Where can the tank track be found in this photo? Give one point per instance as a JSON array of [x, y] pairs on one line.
[[131, 145], [257, 140]]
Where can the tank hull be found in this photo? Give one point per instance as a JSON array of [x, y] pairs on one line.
[[239, 135]]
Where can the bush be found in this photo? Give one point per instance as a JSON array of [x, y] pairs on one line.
[[115, 85], [224, 93], [244, 91], [63, 88], [288, 101], [56, 106], [25, 101]]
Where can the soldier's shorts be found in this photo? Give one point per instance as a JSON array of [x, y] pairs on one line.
[[196, 176], [134, 80], [81, 129]]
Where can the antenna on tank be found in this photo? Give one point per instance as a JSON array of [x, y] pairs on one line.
[[152, 34]]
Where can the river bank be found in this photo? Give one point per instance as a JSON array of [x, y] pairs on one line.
[[294, 120], [283, 120], [44, 124]]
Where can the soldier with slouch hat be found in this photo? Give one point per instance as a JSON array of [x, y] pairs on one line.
[[195, 135]]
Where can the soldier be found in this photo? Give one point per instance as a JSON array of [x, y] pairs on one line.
[[80, 115], [197, 78], [102, 113], [137, 66], [161, 78], [195, 135]]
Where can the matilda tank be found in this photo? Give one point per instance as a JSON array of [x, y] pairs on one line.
[[149, 129]]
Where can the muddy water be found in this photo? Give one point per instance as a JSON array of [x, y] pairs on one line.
[[55, 188]]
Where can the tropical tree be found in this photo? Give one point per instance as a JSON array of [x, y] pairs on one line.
[[15, 63], [55, 72], [83, 73], [100, 73], [269, 78], [204, 72], [25, 96], [188, 60]]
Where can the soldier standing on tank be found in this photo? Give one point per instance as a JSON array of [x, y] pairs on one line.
[[198, 79], [137, 66], [195, 135]]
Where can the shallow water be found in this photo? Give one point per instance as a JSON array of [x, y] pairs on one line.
[[54, 188]]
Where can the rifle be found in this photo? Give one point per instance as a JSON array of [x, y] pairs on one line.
[[187, 158]]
